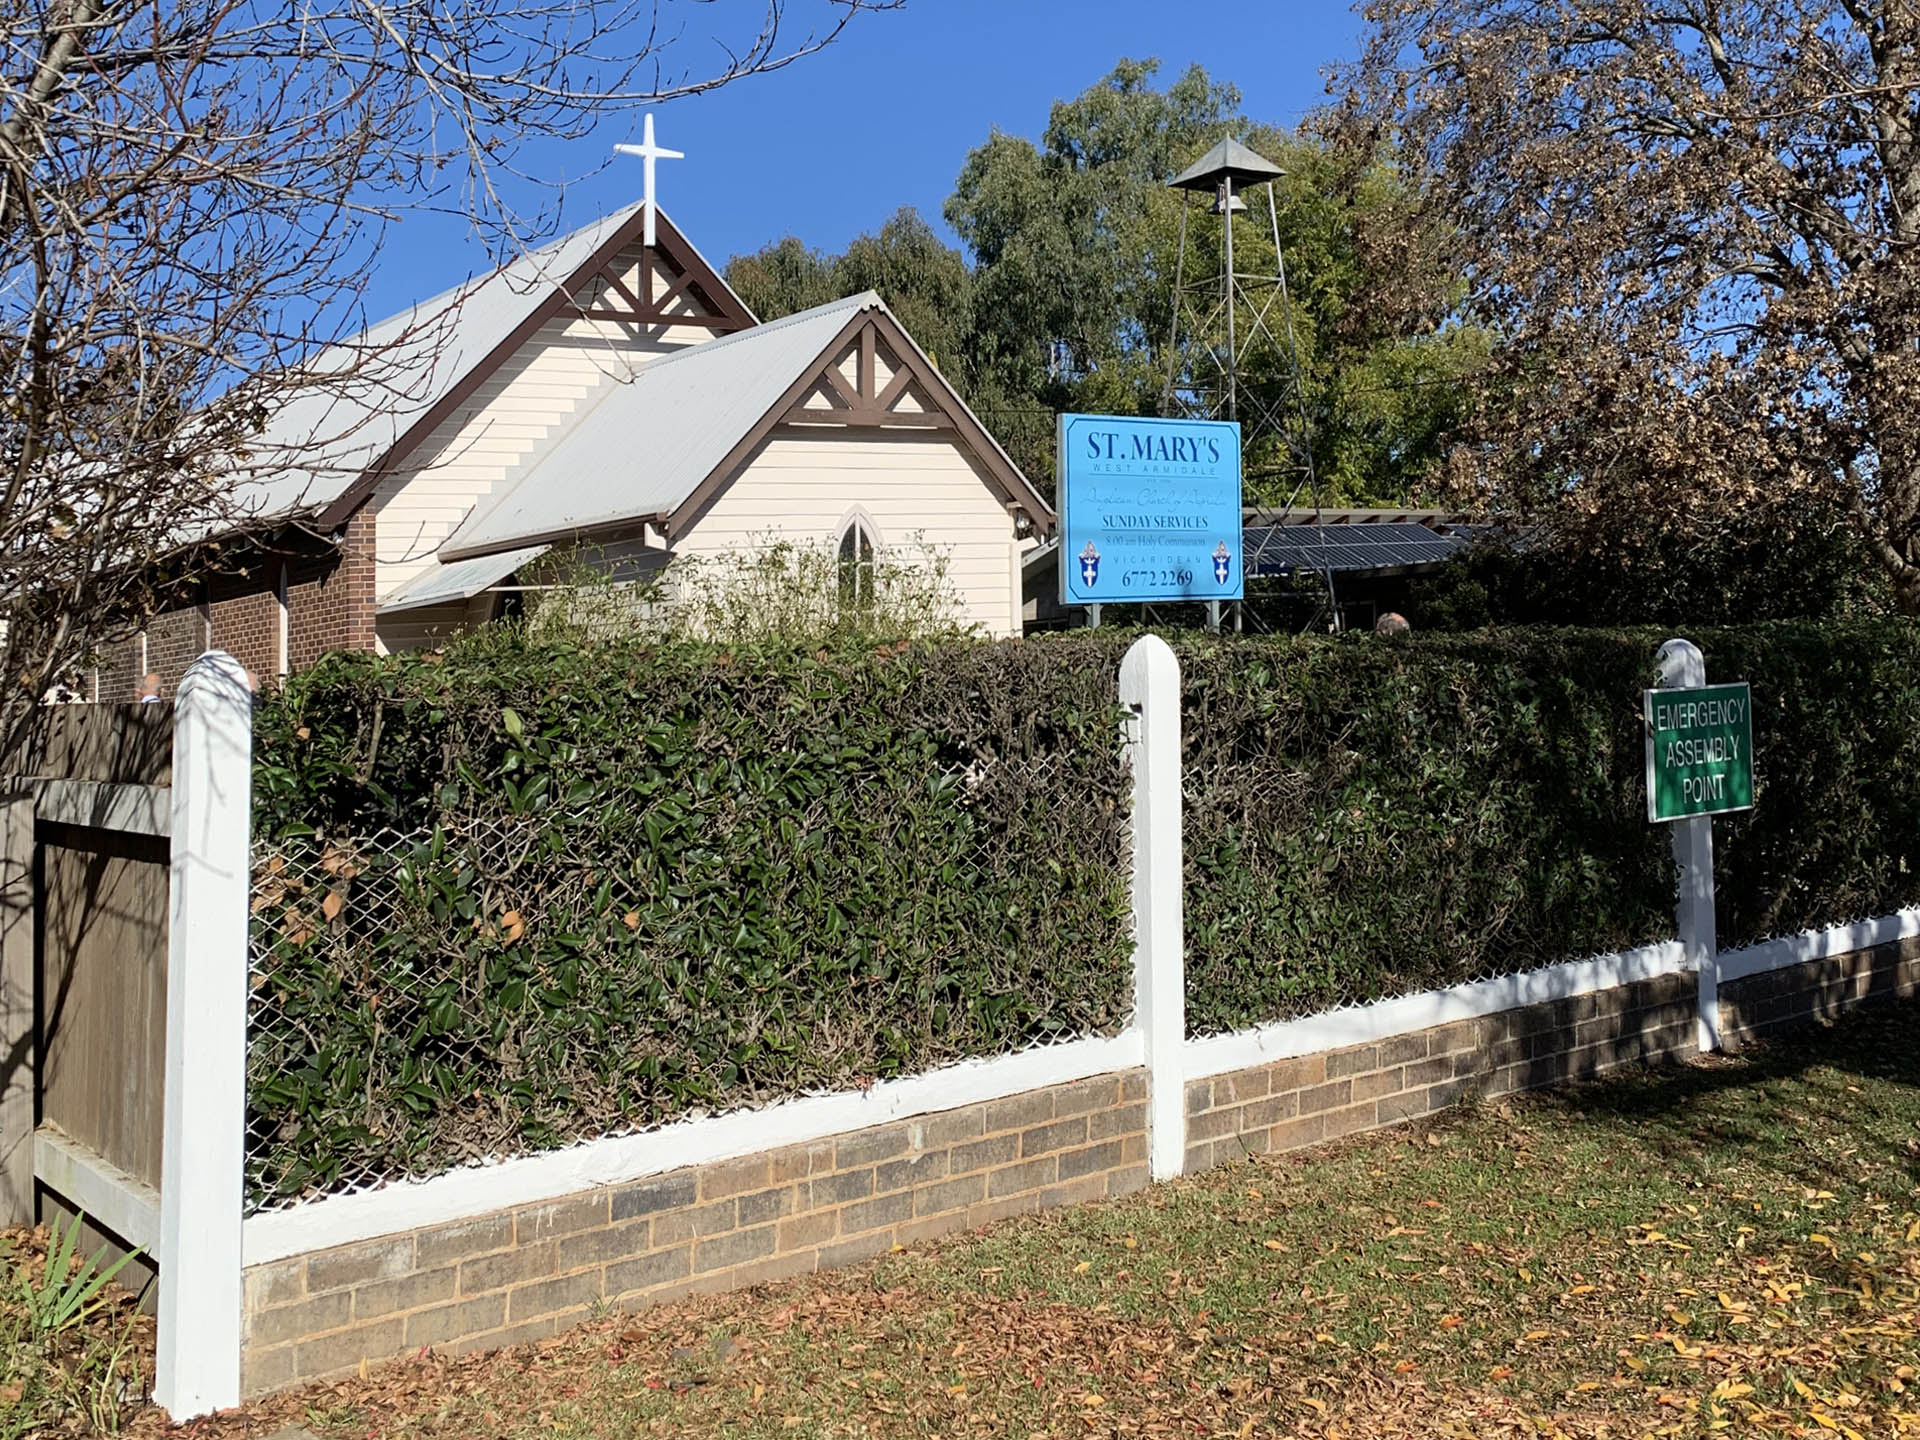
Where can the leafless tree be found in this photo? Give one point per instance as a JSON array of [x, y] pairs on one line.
[[192, 193], [1696, 224]]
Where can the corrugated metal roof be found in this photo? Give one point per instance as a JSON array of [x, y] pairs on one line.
[[459, 580], [319, 443], [645, 445]]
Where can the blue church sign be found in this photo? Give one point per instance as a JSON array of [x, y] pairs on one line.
[[1149, 510]]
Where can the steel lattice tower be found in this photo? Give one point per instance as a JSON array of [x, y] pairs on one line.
[[1226, 319]]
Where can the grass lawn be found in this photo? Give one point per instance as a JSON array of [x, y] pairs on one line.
[[1729, 1245]]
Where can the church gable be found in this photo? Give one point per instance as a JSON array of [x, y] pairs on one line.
[[674, 288], [622, 309], [612, 296], [868, 384], [872, 377]]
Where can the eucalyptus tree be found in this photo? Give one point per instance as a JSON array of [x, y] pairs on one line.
[[1076, 243], [922, 278]]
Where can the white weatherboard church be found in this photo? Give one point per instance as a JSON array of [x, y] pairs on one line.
[[609, 392]]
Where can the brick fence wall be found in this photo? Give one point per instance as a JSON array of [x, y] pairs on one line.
[[522, 1274], [529, 1272], [1818, 990], [1291, 1103]]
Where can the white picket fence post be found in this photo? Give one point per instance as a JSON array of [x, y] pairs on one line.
[[197, 1367], [1681, 666], [1150, 690]]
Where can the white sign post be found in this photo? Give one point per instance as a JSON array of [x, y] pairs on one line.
[[1681, 666]]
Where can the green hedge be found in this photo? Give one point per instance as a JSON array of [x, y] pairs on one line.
[[1368, 818], [526, 895], [574, 892], [1834, 834]]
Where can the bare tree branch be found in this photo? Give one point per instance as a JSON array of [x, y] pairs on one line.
[[1699, 223], [192, 193]]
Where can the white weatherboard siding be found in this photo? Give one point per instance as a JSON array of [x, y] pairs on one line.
[[431, 626], [802, 487], [559, 371]]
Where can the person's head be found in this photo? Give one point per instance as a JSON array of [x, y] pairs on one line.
[[149, 687], [1392, 623]]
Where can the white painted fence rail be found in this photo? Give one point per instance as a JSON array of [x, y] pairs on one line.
[[1811, 945], [1408, 1014]]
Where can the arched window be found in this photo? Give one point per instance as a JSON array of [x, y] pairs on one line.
[[857, 550]]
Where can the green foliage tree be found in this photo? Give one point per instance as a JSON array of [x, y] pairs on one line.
[[783, 278], [1068, 300], [1076, 242], [1793, 558], [924, 280]]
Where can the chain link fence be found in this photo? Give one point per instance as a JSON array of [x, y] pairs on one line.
[[1371, 820], [497, 985]]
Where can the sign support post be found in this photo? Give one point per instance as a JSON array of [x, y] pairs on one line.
[[1681, 666]]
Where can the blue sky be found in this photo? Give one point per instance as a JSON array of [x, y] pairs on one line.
[[836, 143]]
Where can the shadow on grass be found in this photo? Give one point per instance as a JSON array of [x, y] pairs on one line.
[[1829, 1106]]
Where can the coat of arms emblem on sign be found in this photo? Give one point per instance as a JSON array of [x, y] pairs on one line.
[[1089, 566]]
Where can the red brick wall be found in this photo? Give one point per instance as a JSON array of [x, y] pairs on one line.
[[241, 617], [329, 607], [119, 669], [330, 602], [175, 639], [246, 623]]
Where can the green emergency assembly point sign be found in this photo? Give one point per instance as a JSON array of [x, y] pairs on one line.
[[1699, 751]]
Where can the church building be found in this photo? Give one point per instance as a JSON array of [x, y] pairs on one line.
[[609, 393]]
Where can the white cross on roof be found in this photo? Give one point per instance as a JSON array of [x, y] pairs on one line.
[[648, 153]]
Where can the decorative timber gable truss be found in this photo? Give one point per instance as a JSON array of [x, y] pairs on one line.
[[901, 401], [913, 396], [702, 298], [594, 291]]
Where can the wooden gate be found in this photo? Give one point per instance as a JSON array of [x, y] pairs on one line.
[[84, 865]]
